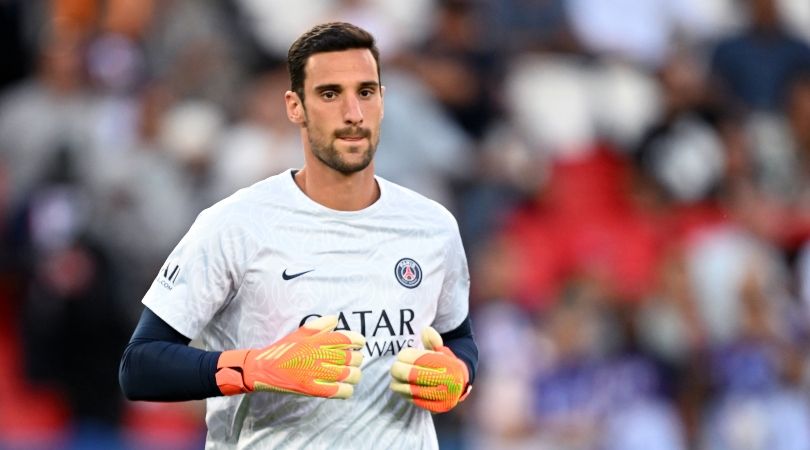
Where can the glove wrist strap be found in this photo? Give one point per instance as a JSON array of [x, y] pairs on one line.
[[229, 374]]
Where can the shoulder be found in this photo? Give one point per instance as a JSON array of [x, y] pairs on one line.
[[246, 207], [258, 194], [416, 206]]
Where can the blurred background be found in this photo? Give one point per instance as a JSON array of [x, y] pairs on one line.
[[631, 179]]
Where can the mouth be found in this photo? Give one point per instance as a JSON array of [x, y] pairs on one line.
[[352, 138], [352, 134]]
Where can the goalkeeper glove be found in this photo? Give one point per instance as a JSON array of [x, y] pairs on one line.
[[314, 360], [433, 379]]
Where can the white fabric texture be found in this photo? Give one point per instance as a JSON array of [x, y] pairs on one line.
[[224, 285]]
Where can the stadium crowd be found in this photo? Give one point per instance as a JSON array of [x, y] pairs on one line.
[[631, 179]]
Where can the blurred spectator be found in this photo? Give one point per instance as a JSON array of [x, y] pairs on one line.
[[719, 260], [51, 111], [509, 345], [425, 152], [130, 209], [521, 26], [758, 404], [189, 132], [682, 153], [194, 46], [780, 145], [261, 142], [756, 66], [73, 323], [632, 181], [396, 25], [669, 325], [506, 172], [458, 65], [640, 31], [593, 395], [671, 332]]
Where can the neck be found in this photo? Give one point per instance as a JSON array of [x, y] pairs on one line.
[[337, 191]]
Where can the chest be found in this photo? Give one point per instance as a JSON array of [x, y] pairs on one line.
[[381, 281]]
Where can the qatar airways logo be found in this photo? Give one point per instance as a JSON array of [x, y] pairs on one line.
[[386, 332]]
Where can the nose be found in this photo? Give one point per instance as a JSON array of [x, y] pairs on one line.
[[352, 113]]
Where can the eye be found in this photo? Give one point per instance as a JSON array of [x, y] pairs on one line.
[[365, 93], [328, 95]]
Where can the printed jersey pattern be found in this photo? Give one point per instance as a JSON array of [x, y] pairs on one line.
[[257, 265]]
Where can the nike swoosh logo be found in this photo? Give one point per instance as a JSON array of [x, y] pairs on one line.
[[293, 275]]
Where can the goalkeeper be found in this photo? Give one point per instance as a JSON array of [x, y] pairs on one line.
[[331, 305]]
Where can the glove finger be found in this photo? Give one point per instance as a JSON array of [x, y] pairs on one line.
[[414, 375], [334, 372], [328, 389], [344, 374], [429, 393], [352, 375], [338, 355], [320, 325], [420, 395], [410, 355], [345, 357], [356, 358], [338, 340], [401, 371], [331, 355], [351, 339], [403, 389], [343, 391], [436, 400], [431, 339]]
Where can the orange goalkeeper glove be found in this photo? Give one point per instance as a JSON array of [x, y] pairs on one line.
[[314, 360], [433, 379]]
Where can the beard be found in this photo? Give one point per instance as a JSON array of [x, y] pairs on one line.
[[332, 158]]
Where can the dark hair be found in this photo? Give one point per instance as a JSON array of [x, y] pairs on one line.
[[327, 37]]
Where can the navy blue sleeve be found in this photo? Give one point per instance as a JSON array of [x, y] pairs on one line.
[[158, 365], [462, 343]]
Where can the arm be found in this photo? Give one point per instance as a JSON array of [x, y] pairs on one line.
[[158, 364], [462, 344]]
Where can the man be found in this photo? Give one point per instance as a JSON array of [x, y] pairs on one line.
[[302, 276]]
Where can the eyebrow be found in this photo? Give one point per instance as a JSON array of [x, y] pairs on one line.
[[339, 88]]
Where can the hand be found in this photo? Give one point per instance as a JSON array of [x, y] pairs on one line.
[[434, 378], [314, 360]]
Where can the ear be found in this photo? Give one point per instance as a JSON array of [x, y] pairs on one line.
[[295, 108]]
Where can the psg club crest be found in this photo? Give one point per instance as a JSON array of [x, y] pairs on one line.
[[408, 273]]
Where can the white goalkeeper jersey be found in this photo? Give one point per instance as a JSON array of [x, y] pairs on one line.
[[257, 265]]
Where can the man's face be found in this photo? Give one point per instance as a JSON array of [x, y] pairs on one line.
[[342, 108]]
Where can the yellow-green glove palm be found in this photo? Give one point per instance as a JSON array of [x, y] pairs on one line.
[[434, 378]]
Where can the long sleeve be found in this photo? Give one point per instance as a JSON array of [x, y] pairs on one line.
[[158, 364]]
